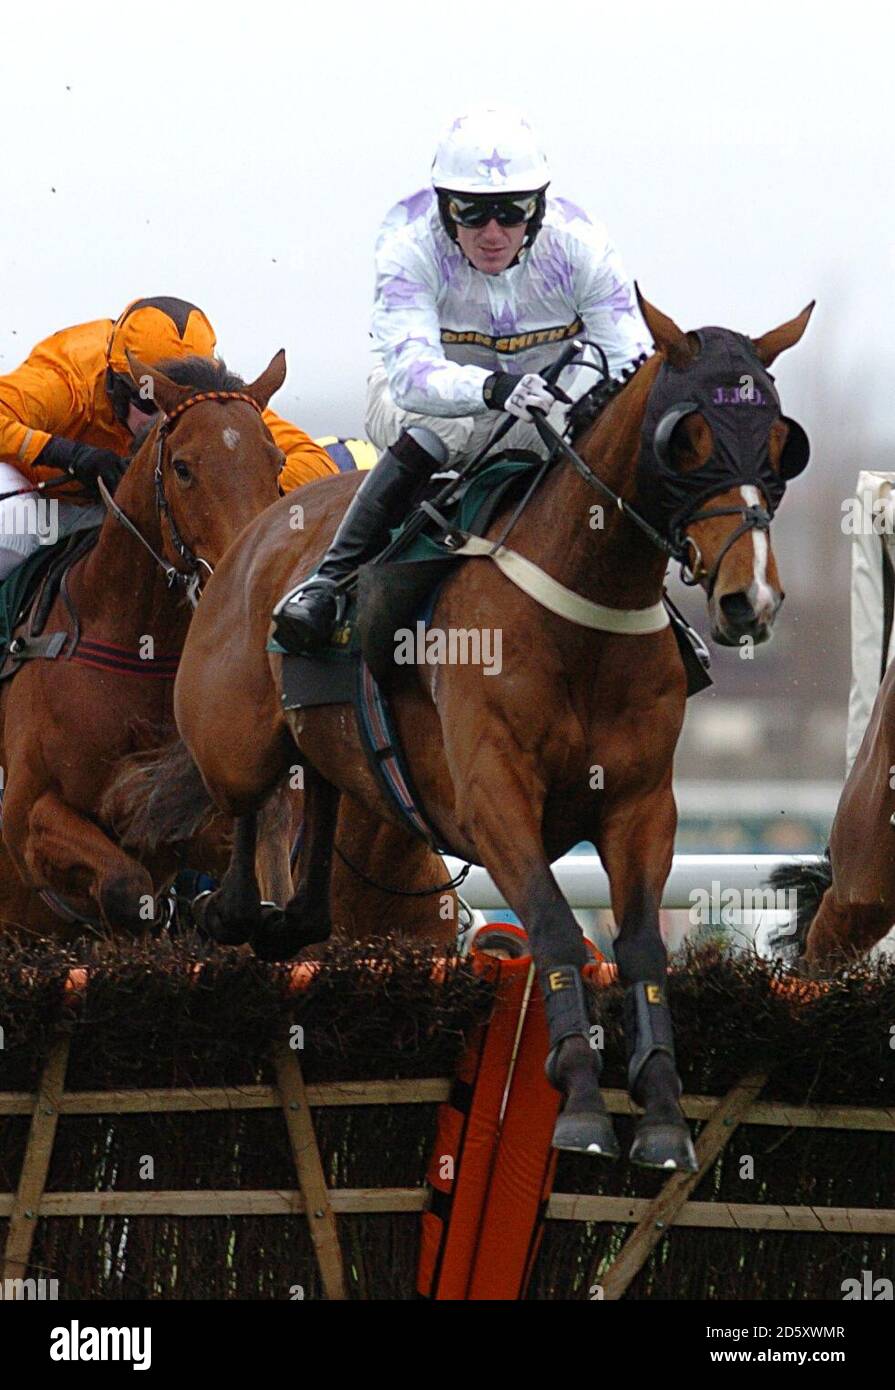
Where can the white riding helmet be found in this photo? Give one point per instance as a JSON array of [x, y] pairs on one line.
[[491, 150]]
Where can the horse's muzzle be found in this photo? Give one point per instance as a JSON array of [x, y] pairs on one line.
[[746, 613]]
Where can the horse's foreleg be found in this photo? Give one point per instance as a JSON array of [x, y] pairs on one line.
[[56, 848], [259, 865], [636, 845], [307, 919], [232, 913], [272, 856], [502, 820]]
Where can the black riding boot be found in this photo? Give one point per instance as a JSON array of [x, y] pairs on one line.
[[304, 618]]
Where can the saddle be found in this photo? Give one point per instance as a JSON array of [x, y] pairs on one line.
[[28, 594], [391, 595]]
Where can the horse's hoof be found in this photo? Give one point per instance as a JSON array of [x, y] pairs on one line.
[[272, 940], [586, 1133], [284, 934], [666, 1146], [210, 923]]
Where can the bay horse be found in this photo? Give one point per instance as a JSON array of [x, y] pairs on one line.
[[204, 468], [573, 741], [846, 903]]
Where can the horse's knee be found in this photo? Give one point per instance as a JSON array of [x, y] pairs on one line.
[[127, 901], [842, 931]]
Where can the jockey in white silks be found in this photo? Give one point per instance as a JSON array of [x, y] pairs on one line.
[[481, 281]]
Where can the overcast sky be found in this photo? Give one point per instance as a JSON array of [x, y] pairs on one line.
[[242, 156]]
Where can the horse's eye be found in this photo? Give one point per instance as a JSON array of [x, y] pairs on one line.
[[181, 470]]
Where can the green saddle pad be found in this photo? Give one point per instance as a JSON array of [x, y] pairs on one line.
[[463, 514], [19, 586]]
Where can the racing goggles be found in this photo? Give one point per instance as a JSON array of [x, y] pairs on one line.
[[506, 211]]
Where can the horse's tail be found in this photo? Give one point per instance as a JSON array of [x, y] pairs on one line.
[[156, 797], [809, 882]]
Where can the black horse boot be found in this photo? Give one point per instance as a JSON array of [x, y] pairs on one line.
[[573, 1066], [662, 1138], [304, 618]]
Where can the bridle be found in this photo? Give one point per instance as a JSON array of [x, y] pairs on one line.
[[676, 544], [754, 518], [191, 577]]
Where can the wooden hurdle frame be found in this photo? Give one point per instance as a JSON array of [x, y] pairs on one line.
[[651, 1219]]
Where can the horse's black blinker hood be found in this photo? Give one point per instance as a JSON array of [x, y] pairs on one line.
[[728, 385]]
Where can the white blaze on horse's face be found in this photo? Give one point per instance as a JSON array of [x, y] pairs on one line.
[[760, 594], [744, 602], [231, 437]]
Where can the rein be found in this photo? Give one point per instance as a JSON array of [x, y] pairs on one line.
[[452, 883], [678, 546], [191, 579], [551, 436]]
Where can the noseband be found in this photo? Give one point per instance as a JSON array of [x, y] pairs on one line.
[[191, 577], [754, 518]]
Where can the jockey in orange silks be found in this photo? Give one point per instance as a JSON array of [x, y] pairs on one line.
[[72, 409]]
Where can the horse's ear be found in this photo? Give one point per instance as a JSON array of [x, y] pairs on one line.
[[677, 346], [771, 344], [156, 386], [270, 380]]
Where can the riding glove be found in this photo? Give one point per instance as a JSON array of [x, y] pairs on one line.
[[517, 394], [84, 462]]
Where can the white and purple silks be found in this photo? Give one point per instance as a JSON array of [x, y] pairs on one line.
[[440, 327]]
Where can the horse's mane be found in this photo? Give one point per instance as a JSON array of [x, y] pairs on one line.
[[205, 373], [591, 405]]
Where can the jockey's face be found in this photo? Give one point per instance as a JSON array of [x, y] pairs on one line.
[[491, 248]]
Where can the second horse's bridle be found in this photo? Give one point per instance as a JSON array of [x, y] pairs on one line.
[[191, 577]]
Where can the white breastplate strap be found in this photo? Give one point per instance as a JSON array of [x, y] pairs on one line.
[[555, 597]]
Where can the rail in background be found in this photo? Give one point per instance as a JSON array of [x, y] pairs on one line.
[[585, 884]]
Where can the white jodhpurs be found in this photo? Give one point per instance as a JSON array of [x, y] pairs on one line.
[[464, 435], [30, 520]]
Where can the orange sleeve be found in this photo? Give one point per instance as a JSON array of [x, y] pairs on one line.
[[35, 403], [305, 460]]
